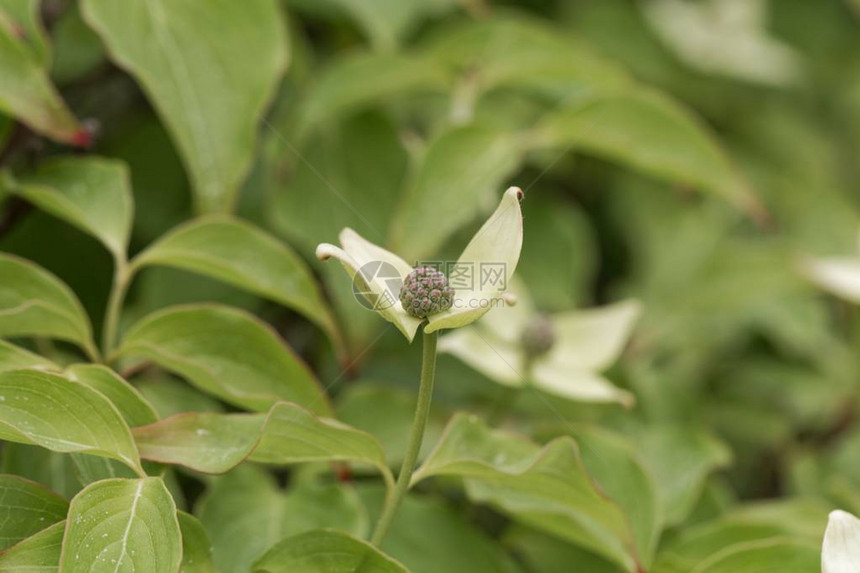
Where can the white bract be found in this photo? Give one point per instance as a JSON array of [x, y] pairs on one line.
[[497, 243], [586, 343], [841, 550], [837, 275]]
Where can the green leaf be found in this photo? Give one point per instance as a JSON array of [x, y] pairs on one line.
[[227, 353], [196, 549], [526, 53], [457, 179], [359, 406], [170, 396], [245, 514], [26, 15], [428, 536], [120, 522], [549, 554], [769, 556], [26, 92], [650, 132], [680, 460], [27, 508], [93, 194], [238, 253], [133, 407], [190, 57], [53, 470], [63, 416], [386, 22], [342, 87], [14, 358], [40, 552], [329, 551], [33, 302], [288, 434], [615, 466], [548, 488]]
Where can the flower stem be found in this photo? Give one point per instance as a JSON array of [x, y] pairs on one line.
[[121, 277], [416, 436]]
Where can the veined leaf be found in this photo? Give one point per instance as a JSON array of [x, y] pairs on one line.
[[190, 57], [14, 358], [26, 92], [27, 508], [33, 302], [133, 407], [39, 552], [215, 443], [238, 253], [458, 178], [245, 514], [93, 194], [650, 132], [228, 353], [120, 522], [196, 549], [329, 551], [547, 487], [63, 416]]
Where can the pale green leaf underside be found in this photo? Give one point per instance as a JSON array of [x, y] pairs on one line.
[[26, 508], [238, 253], [215, 443], [547, 487], [227, 353], [209, 68], [33, 302], [63, 416], [329, 551], [122, 525], [91, 193]]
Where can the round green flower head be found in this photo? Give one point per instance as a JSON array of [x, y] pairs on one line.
[[426, 291], [538, 336]]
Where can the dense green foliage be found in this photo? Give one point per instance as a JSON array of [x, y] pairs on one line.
[[184, 386]]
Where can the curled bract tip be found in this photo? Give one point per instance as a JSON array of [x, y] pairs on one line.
[[325, 251], [509, 298], [516, 191]]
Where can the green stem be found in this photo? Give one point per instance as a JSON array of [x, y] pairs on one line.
[[121, 277], [416, 436]]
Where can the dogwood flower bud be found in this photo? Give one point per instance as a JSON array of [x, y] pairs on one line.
[[538, 337], [426, 291]]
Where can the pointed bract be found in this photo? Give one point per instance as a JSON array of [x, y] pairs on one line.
[[841, 550]]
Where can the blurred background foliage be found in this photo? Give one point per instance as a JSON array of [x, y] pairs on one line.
[[683, 153]]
